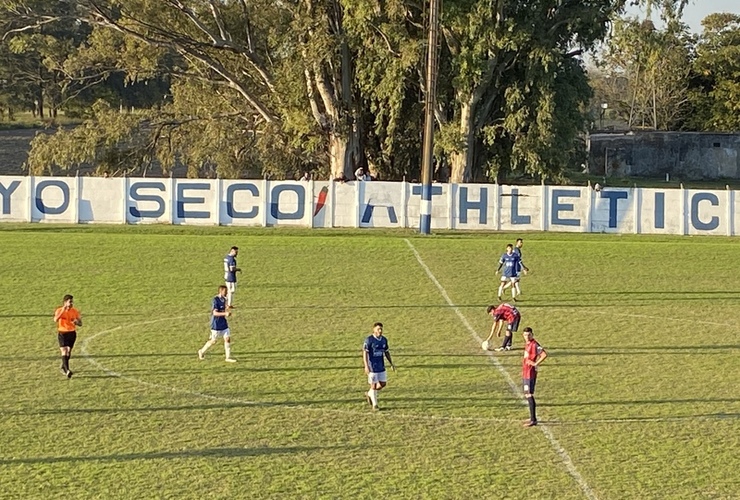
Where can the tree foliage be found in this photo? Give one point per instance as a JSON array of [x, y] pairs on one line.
[[715, 96]]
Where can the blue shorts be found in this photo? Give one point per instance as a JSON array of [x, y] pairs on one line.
[[528, 384]]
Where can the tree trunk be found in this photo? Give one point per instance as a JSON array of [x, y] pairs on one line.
[[461, 162], [342, 155]]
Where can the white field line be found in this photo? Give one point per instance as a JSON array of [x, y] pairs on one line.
[[564, 456], [90, 359]]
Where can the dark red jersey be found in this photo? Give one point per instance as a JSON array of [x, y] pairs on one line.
[[507, 312], [531, 351]]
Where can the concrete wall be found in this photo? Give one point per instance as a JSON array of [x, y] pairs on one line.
[[682, 155]]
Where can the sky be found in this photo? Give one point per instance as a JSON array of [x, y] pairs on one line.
[[697, 10]]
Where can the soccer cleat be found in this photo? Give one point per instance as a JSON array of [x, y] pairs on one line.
[[500, 299], [499, 349], [507, 348], [376, 408], [69, 373], [63, 370], [530, 423], [201, 355], [230, 360]]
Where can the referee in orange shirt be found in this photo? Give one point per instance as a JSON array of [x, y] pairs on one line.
[[67, 319]]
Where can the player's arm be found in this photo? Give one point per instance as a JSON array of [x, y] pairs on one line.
[[58, 313], [541, 355], [388, 356], [500, 265], [366, 359], [78, 320]]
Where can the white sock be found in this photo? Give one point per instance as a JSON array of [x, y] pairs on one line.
[[373, 396], [229, 297], [227, 348], [513, 292], [518, 290], [206, 347], [500, 289]]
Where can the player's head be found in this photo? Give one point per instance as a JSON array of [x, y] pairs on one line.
[[222, 291], [68, 300], [527, 333], [234, 251], [490, 308], [509, 248], [378, 329], [519, 242]]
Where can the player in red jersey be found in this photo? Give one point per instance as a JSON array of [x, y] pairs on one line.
[[534, 355], [504, 313]]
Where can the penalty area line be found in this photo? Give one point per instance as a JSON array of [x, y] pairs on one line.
[[562, 452]]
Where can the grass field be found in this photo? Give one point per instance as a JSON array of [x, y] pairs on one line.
[[639, 398]]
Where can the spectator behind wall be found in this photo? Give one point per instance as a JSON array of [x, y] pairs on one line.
[[361, 175]]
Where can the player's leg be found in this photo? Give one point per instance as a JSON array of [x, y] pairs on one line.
[[514, 283], [518, 289], [501, 287], [71, 339], [211, 341], [227, 347], [371, 395], [529, 395], [230, 291], [511, 330]]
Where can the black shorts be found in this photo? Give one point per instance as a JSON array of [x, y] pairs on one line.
[[528, 384], [67, 339]]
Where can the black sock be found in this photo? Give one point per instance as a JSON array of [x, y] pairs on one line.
[[508, 340], [532, 407], [65, 362]]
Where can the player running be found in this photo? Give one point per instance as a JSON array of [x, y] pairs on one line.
[[219, 326], [230, 270], [504, 313], [374, 352], [510, 262]]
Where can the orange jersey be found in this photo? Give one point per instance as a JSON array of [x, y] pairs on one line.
[[64, 323]]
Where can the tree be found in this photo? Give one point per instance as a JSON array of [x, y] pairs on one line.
[[654, 66], [715, 96]]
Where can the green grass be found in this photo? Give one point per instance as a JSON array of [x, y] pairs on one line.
[[26, 120], [640, 388]]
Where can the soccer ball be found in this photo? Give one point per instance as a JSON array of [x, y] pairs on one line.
[[484, 345]]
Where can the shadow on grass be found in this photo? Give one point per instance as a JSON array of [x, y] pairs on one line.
[[643, 402], [640, 350], [169, 455]]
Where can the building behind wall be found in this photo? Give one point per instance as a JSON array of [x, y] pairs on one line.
[[680, 155]]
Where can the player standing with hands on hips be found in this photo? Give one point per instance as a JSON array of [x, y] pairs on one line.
[[67, 319], [230, 270], [374, 352], [534, 354]]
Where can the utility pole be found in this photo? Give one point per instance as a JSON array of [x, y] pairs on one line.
[[425, 224]]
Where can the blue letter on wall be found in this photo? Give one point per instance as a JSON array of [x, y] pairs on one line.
[[368, 213], [659, 210], [52, 210], [614, 197], [480, 205], [231, 211], [6, 193], [134, 193], [182, 200], [558, 207], [515, 217], [299, 190], [695, 221]]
